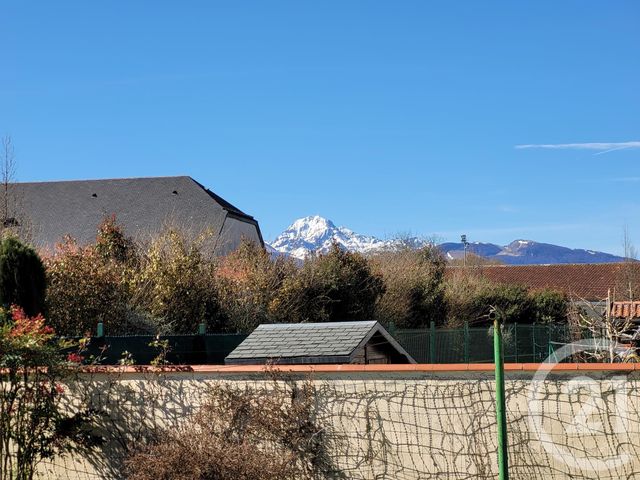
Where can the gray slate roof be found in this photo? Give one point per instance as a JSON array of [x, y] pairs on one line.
[[142, 205], [331, 342]]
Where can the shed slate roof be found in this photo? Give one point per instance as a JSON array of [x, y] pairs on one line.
[[142, 205], [331, 342]]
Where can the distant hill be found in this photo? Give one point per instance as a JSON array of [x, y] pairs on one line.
[[529, 252], [316, 234]]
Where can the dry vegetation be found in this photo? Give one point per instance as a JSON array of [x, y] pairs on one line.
[[468, 296], [171, 283], [250, 286], [415, 288], [250, 433]]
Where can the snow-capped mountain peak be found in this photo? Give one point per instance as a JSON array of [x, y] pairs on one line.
[[316, 234], [311, 228]]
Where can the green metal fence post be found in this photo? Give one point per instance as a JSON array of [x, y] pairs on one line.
[[501, 414], [100, 330], [549, 347], [432, 342], [392, 328], [533, 341], [202, 328], [515, 339], [466, 342]]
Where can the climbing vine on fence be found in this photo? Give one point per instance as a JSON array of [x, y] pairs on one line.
[[34, 421]]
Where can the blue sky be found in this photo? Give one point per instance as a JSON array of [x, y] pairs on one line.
[[386, 117]]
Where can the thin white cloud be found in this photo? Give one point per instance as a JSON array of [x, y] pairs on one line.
[[626, 179], [600, 148]]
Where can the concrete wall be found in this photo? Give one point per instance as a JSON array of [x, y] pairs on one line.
[[402, 421]]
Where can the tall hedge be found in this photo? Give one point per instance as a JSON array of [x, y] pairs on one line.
[[22, 277], [414, 292], [333, 287], [84, 289]]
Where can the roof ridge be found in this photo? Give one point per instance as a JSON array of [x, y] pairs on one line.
[[319, 324], [85, 180], [223, 203], [143, 205]]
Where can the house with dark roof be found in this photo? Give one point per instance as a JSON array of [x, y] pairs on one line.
[[363, 342], [143, 206], [591, 282]]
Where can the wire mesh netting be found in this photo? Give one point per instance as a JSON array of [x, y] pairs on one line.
[[401, 426]]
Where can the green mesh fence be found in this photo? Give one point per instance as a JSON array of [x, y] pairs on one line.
[[522, 343], [208, 349]]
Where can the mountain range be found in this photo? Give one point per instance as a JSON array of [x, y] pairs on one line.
[[316, 234]]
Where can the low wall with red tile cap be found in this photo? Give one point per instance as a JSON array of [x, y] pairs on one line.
[[398, 421], [424, 367]]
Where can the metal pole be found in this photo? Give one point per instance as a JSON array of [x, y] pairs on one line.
[[515, 339], [533, 346], [432, 342], [463, 239], [466, 342], [501, 415]]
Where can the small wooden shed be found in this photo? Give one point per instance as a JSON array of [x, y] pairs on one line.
[[365, 342]]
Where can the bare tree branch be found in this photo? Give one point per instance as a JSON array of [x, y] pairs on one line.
[[8, 172]]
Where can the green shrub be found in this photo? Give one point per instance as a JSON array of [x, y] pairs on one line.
[[470, 296], [460, 289], [512, 300], [84, 289], [336, 286], [89, 284], [22, 277], [248, 281], [167, 286], [414, 287], [175, 284], [550, 306], [112, 243]]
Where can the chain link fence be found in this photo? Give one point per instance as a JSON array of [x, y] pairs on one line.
[[522, 343], [205, 349]]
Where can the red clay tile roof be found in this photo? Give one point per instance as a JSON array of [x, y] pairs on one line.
[[625, 309], [585, 281]]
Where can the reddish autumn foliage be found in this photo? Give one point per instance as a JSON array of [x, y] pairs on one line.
[[34, 420], [75, 358], [84, 287], [32, 327]]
